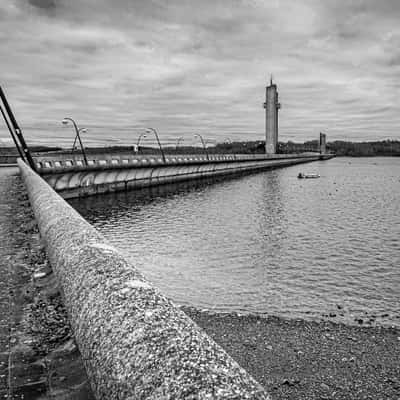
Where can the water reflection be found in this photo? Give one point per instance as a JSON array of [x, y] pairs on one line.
[[123, 204]]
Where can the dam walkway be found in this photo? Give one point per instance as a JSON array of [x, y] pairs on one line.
[[73, 175]]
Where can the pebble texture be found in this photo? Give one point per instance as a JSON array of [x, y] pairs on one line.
[[135, 343], [38, 360]]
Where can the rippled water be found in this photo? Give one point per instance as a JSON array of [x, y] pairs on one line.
[[269, 243]]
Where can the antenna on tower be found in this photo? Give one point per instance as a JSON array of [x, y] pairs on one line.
[[270, 80]]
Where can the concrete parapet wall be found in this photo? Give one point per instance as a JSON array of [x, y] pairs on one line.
[[135, 343]]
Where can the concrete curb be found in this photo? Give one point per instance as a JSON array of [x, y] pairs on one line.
[[135, 343]]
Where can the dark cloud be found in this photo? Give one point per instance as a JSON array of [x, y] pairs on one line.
[[44, 4]]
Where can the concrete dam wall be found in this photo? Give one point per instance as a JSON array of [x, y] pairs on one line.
[[70, 177], [134, 342]]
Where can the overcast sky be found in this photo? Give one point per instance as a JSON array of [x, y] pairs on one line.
[[201, 66]]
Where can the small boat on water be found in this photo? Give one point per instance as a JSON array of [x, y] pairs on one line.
[[302, 175]]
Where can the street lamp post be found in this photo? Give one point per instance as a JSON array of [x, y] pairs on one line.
[[142, 135], [177, 142], [65, 122], [158, 141], [203, 143], [81, 130]]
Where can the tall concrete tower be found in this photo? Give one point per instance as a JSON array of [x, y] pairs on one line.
[[322, 143], [271, 106]]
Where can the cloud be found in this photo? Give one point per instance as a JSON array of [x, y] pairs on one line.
[[186, 67], [43, 4]]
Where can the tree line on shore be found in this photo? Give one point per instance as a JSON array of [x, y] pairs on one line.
[[344, 148], [338, 147]]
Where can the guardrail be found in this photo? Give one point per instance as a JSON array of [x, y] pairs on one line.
[[134, 342], [60, 163]]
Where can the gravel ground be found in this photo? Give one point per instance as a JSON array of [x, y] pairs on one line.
[[38, 356], [296, 359]]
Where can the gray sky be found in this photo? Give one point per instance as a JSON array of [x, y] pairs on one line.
[[201, 66]]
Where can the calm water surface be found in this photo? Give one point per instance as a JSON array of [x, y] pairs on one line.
[[269, 243]]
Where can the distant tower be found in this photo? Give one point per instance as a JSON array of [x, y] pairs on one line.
[[322, 143], [271, 106]]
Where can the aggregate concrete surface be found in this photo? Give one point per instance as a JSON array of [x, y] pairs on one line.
[[38, 356], [135, 343]]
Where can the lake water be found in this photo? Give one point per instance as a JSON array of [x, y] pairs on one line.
[[269, 243]]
